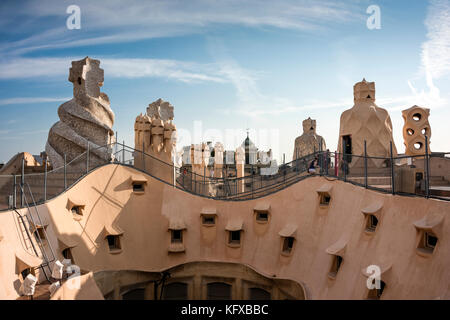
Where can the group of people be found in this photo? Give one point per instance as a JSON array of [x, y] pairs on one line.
[[325, 159]]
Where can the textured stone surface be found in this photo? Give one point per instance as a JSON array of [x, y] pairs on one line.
[[87, 117], [162, 109], [366, 121], [157, 138], [309, 141], [414, 130]]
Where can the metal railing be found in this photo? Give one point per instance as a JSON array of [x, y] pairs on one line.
[[424, 175], [35, 232]]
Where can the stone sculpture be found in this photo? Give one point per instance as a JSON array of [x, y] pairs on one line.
[[156, 137], [365, 121], [240, 168], [87, 118], [162, 108], [415, 129], [309, 141], [218, 159]]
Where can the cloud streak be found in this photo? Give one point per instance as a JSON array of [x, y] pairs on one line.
[[23, 68], [253, 103], [116, 21], [436, 50], [29, 100], [435, 55]]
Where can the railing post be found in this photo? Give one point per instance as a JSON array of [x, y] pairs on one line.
[[173, 169], [260, 176], [65, 171], [123, 151], [365, 165], [14, 191], [252, 181], [22, 182], [336, 164], [392, 168], [320, 157], [115, 144], [87, 157], [427, 168], [344, 163], [143, 157], [45, 179]]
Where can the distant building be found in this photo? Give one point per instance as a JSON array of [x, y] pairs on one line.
[[255, 160]]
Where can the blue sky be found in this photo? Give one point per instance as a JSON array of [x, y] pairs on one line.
[[263, 65]]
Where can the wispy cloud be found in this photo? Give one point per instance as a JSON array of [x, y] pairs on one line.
[[115, 21], [253, 103], [435, 55], [172, 69], [436, 50], [21, 68], [29, 100], [33, 132], [283, 13]]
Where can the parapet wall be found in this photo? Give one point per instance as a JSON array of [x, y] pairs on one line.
[[143, 220]]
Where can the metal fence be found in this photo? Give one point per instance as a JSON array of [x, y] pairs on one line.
[[425, 175]]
